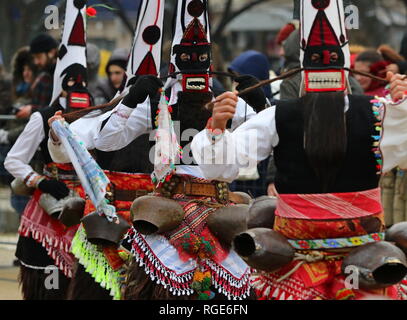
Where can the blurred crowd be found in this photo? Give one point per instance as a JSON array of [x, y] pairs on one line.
[[26, 86]]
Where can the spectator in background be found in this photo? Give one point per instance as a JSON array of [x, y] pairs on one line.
[[93, 64], [5, 89], [398, 61], [375, 62], [256, 64], [355, 50], [290, 88], [24, 74], [116, 75], [5, 107], [44, 50], [276, 56]]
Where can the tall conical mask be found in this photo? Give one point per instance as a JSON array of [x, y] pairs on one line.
[[70, 72], [145, 57], [324, 45], [191, 48]]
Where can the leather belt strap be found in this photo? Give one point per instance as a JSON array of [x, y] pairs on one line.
[[129, 195], [203, 190], [61, 176]]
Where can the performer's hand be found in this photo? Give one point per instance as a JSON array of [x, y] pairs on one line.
[[398, 85], [145, 86], [24, 112], [256, 98], [224, 110], [57, 117], [55, 188]]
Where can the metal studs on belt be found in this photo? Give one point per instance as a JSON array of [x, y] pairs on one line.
[[222, 191], [169, 187]]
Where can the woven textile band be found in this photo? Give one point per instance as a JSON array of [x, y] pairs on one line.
[[337, 243], [60, 172], [329, 206]]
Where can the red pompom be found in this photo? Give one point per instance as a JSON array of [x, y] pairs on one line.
[[285, 32], [91, 12]]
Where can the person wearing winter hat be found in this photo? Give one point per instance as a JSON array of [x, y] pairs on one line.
[[116, 74], [44, 50]]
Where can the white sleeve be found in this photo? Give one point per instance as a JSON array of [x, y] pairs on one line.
[[22, 152], [393, 143], [86, 129], [244, 112], [252, 142], [123, 127]]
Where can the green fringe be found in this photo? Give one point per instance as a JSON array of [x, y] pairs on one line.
[[96, 264]]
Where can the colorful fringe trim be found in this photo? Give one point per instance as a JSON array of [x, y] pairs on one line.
[[377, 107], [402, 290], [57, 249], [267, 288], [180, 284], [96, 264]]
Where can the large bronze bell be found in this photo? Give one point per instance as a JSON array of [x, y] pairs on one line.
[[100, 231], [51, 205], [398, 235], [262, 213], [264, 249], [20, 188], [151, 214], [378, 265], [225, 223], [243, 197], [72, 212]]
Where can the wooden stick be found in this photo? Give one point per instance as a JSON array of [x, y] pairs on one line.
[[269, 81], [283, 76], [365, 74], [72, 116], [223, 74]]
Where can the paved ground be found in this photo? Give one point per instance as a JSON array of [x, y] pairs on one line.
[[8, 274]]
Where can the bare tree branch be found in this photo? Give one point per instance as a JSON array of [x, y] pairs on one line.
[[232, 15], [121, 13]]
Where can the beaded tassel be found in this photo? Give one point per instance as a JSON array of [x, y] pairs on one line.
[[377, 105]]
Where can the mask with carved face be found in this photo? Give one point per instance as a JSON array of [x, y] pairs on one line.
[[324, 46], [75, 84], [191, 53]]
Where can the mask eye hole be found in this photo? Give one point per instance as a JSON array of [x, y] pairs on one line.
[[334, 57], [71, 82], [203, 57], [185, 57], [315, 57]]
